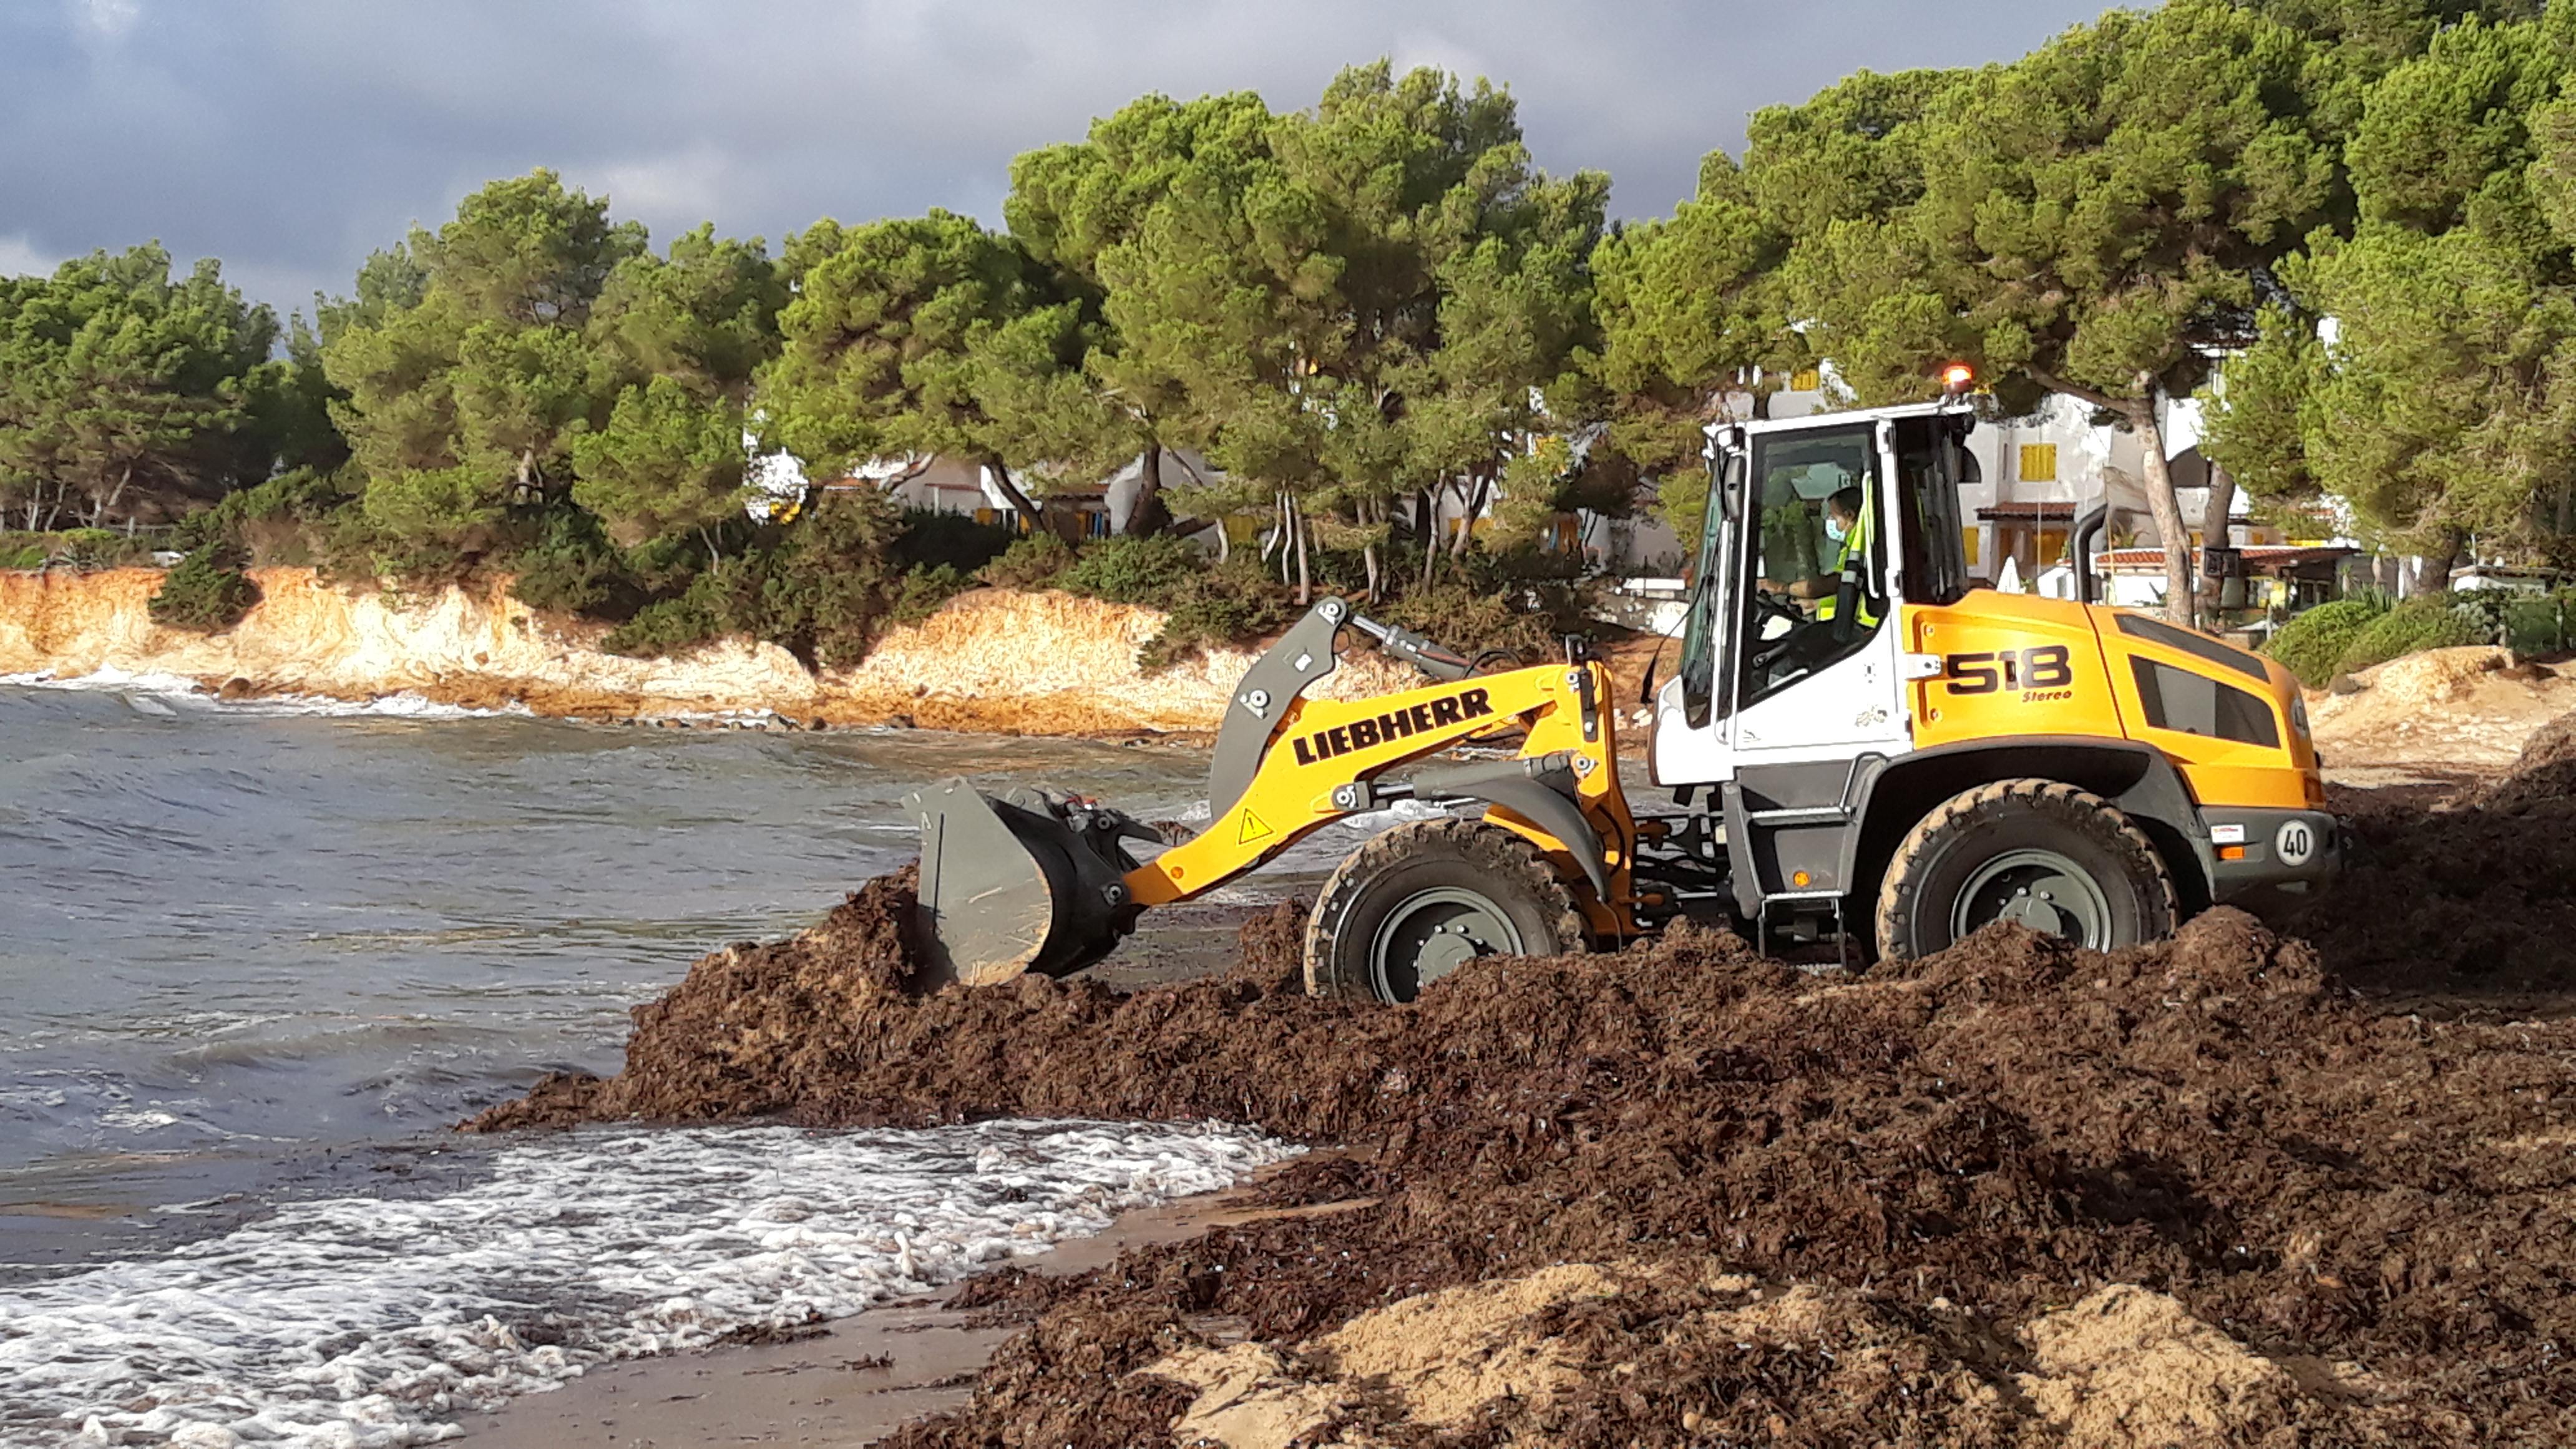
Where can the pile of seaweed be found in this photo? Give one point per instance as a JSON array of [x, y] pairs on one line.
[[2463, 900], [2015, 1193]]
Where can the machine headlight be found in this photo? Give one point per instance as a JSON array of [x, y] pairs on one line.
[[2299, 716]]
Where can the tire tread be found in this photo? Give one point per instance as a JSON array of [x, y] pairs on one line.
[[1508, 856], [1892, 897]]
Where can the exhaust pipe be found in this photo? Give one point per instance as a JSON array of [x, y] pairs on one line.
[[1029, 881]]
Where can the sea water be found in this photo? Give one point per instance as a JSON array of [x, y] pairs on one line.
[[255, 959]]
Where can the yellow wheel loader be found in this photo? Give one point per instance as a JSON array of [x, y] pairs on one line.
[[1859, 741]]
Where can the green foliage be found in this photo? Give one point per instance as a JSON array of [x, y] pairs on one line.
[[1475, 621], [1343, 306], [1213, 607], [666, 463], [2427, 622], [128, 395], [2311, 645], [573, 568], [2440, 404], [530, 352], [1689, 307], [669, 626], [276, 522], [1131, 570], [1032, 562], [903, 338], [823, 590], [206, 593], [75, 548], [953, 541], [922, 589], [1373, 303]]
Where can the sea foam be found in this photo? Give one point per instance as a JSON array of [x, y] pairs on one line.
[[360, 1321], [153, 693]]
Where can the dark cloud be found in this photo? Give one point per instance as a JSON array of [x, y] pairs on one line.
[[291, 137]]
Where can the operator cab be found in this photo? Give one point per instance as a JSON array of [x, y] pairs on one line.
[[1817, 529]]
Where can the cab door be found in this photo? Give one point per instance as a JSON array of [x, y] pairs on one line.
[[1789, 678]]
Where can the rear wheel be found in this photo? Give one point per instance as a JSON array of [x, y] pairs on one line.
[[1424, 899], [2062, 861]]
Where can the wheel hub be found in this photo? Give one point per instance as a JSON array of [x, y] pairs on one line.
[[2040, 889], [1434, 932]]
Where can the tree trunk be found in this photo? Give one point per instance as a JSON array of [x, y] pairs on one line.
[[2437, 566], [1426, 529], [1147, 516], [1467, 522], [2214, 532], [1367, 511], [1020, 502], [1305, 584], [2161, 501]]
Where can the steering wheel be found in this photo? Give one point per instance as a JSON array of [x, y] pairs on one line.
[[1769, 654], [1768, 605]]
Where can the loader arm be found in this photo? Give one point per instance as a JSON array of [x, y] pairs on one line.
[[1324, 761], [1042, 881]]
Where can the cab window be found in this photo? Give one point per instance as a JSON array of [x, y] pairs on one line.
[[1818, 563]]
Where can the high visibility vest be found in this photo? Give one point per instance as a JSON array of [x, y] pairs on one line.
[[1852, 568]]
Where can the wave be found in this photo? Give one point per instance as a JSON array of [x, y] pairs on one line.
[[156, 694], [368, 1322]]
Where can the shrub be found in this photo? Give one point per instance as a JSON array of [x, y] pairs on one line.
[[921, 590], [572, 568], [1155, 572], [1219, 605], [669, 626], [1474, 621], [955, 541], [84, 548], [2410, 628], [2311, 645], [278, 521], [1029, 563], [205, 593]]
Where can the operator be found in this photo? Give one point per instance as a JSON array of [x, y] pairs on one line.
[[1847, 524], [1843, 529]]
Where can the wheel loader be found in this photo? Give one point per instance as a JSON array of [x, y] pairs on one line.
[[1861, 744]]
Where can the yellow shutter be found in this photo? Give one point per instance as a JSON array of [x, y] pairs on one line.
[[1968, 537], [2052, 545], [2039, 462], [1807, 379]]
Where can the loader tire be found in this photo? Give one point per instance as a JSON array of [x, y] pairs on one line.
[[1423, 899], [2060, 860]]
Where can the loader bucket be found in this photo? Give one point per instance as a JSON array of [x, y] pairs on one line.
[[1027, 882]]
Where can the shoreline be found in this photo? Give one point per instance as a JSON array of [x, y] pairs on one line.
[[990, 661], [848, 1383]]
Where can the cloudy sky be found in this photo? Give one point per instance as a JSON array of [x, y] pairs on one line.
[[292, 137]]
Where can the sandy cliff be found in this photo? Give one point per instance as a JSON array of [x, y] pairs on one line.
[[991, 660]]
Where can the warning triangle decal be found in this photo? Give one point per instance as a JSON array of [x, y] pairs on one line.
[[1252, 830]]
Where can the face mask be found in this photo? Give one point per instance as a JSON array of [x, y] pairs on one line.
[[1834, 529]]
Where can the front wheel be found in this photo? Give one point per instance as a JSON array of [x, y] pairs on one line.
[[2062, 861], [1426, 898]]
